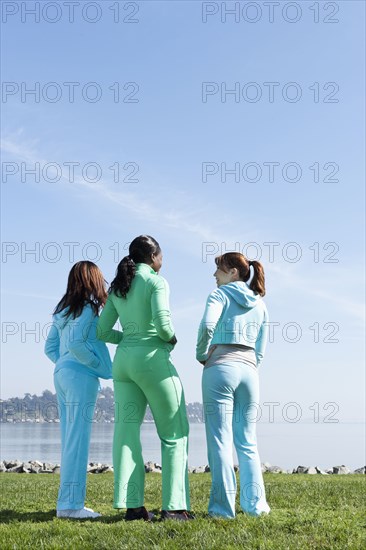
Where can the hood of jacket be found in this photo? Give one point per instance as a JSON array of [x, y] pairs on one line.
[[241, 293], [62, 319]]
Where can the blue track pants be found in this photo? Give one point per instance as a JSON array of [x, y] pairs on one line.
[[76, 395], [230, 394]]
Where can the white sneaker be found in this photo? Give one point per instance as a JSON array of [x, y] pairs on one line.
[[83, 513]]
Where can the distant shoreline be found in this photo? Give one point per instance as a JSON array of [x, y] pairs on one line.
[[39, 467], [39, 409], [193, 420]]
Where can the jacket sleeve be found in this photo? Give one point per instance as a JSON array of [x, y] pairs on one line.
[[214, 307], [106, 322], [52, 345], [261, 342], [160, 309], [79, 331]]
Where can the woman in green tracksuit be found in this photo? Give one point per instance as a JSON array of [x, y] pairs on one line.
[[144, 374]]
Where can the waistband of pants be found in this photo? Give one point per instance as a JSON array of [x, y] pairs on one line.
[[227, 353], [148, 343]]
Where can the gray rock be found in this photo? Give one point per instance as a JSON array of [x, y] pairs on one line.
[[12, 463], [48, 466], [2, 466], [152, 467], [36, 463], [319, 471], [275, 470], [149, 467], [329, 471], [106, 468], [236, 468], [264, 467], [56, 470], [35, 466], [16, 469], [312, 470], [199, 470], [341, 470], [27, 467], [34, 470], [94, 467], [300, 470], [361, 470]]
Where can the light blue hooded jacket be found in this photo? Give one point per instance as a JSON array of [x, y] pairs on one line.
[[73, 343], [234, 314]]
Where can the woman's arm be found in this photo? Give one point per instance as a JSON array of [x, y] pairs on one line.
[[106, 322], [261, 342], [160, 310], [211, 316], [79, 332], [52, 345]]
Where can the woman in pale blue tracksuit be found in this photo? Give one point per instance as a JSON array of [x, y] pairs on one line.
[[80, 359], [231, 344]]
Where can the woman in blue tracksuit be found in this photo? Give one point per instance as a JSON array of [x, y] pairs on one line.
[[80, 360], [231, 344]]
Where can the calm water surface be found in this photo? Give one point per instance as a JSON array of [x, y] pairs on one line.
[[282, 444]]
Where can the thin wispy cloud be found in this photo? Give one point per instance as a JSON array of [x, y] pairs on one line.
[[187, 221], [21, 294], [184, 220]]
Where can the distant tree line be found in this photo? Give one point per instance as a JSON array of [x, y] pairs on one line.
[[43, 408]]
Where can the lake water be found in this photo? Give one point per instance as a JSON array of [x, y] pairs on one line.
[[283, 444]]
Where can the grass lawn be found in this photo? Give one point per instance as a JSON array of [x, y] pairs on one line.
[[308, 511]]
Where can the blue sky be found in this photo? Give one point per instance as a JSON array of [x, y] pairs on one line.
[[166, 136]]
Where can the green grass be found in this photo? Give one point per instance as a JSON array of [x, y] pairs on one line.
[[325, 512]]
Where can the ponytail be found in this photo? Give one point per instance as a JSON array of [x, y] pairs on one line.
[[242, 264], [140, 251], [257, 282], [126, 271]]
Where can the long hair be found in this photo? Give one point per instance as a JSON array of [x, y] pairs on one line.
[[140, 251], [235, 259], [85, 285]]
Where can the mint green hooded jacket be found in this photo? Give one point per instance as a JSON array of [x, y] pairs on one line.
[[234, 314]]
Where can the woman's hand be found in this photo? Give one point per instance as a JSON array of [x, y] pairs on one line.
[[212, 348], [173, 340], [210, 351]]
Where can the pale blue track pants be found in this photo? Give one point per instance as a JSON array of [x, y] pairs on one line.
[[231, 399], [76, 395]]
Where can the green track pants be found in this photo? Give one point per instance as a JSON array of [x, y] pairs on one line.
[[141, 376]]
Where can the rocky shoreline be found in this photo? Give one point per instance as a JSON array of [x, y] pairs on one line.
[[37, 467]]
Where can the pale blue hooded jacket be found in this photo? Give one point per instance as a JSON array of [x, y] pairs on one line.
[[234, 314], [73, 343]]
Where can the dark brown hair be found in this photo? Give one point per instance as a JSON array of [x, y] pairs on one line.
[[85, 285], [140, 251], [235, 259]]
